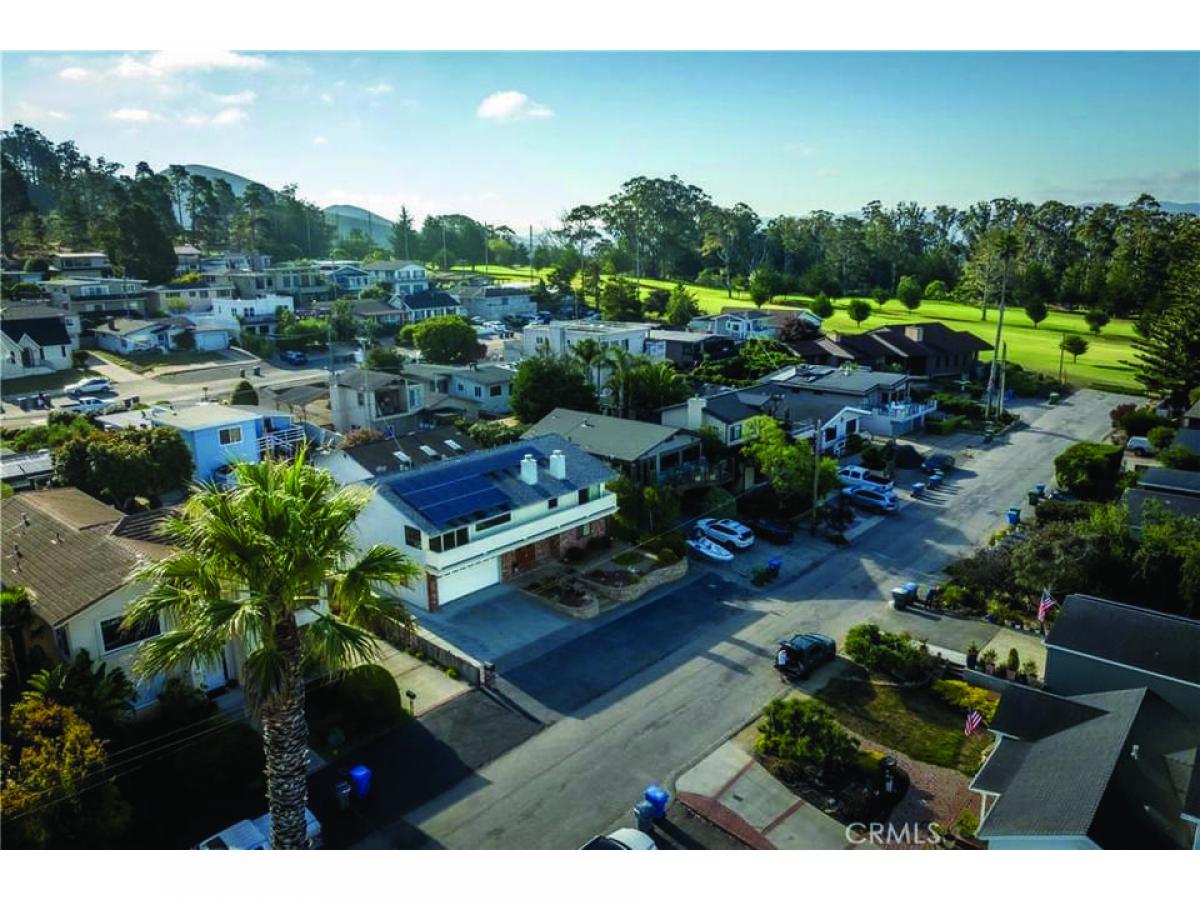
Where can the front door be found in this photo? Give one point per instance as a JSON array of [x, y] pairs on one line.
[[211, 675], [526, 557]]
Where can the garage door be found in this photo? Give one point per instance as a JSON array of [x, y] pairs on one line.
[[465, 581]]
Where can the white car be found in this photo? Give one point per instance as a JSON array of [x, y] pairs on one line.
[[88, 386], [858, 476], [89, 405], [710, 550], [621, 839], [728, 532], [256, 834]]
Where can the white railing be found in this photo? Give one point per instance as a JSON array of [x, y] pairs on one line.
[[905, 410], [285, 440]]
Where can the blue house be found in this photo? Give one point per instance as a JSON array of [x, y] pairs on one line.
[[219, 435], [349, 279]]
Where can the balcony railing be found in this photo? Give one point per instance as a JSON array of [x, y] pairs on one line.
[[282, 442], [695, 473], [904, 410]]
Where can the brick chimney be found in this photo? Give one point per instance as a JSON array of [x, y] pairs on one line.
[[529, 469]]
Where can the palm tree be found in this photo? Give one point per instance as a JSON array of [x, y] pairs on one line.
[[590, 354], [250, 558], [620, 362]]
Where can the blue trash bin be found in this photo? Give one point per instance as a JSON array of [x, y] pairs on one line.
[[774, 564], [658, 798], [1014, 515], [360, 777], [1040, 487]]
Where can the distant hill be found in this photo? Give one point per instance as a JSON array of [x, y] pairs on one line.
[[237, 182], [1192, 209], [348, 218]]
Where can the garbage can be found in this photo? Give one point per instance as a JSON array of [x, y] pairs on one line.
[[657, 797], [24, 403], [241, 373], [1014, 515], [918, 488], [1054, 398], [1034, 497], [644, 816], [342, 790], [258, 370], [903, 595], [774, 564], [360, 777], [1040, 487], [935, 480]]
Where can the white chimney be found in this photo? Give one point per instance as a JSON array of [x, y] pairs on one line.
[[558, 465], [529, 469], [695, 412]]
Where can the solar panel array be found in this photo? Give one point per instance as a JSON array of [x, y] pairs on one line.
[[463, 493]]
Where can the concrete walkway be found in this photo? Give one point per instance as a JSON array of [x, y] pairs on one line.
[[432, 686], [733, 791]]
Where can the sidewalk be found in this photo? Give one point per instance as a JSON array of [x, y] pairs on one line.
[[734, 792], [432, 686]]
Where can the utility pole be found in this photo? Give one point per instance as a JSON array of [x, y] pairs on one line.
[[1003, 371], [991, 388], [531, 253], [816, 485], [445, 261], [486, 231]]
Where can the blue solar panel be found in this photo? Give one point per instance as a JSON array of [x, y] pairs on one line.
[[463, 491]]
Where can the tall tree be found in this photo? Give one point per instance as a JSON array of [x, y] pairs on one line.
[[403, 238], [249, 560]]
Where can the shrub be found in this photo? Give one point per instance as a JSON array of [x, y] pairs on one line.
[[1014, 660], [988, 657], [760, 576], [966, 824], [1029, 669], [452, 673], [1161, 437], [363, 700], [573, 554], [804, 732], [1180, 458], [965, 696], [882, 651], [244, 394], [181, 703], [873, 457], [855, 442], [1063, 511], [946, 425], [1088, 470], [667, 557], [79, 358], [1136, 422]]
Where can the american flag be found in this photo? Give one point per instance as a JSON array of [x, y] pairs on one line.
[[1048, 603], [974, 722]]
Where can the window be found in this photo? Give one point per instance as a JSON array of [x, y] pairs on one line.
[[496, 390], [114, 637], [851, 426], [478, 391], [450, 540], [735, 433], [583, 530], [429, 451], [412, 536], [229, 436], [552, 503], [493, 522], [583, 495], [830, 434]]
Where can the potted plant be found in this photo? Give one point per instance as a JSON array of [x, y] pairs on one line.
[[1013, 665], [1029, 671], [988, 658], [1001, 671], [972, 655]]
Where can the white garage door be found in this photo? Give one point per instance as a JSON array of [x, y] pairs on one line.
[[465, 581]]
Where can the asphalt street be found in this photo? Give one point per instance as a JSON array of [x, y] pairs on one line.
[[643, 698]]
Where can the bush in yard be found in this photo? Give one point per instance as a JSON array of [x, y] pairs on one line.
[[243, 394], [854, 443], [1063, 511], [1014, 660], [873, 457], [965, 696], [667, 557], [805, 733], [1135, 422], [1161, 437], [364, 700], [885, 652], [985, 572], [1180, 458], [79, 358], [181, 703], [1088, 470]]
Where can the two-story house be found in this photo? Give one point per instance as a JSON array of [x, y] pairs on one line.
[[199, 296], [738, 324], [922, 349], [89, 264], [187, 258], [495, 302], [422, 305], [35, 339], [376, 401], [687, 349], [258, 314], [560, 337], [219, 435], [401, 276], [348, 279], [1108, 756], [490, 516], [886, 395], [474, 390], [303, 283], [92, 299]]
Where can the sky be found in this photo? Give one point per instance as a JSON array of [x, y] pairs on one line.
[[517, 138]]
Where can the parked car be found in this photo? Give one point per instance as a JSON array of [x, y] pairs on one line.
[[89, 386], [702, 546], [727, 532], [935, 461], [1140, 446], [621, 839], [772, 530], [805, 653], [870, 498], [295, 357], [858, 476], [90, 405], [255, 834]]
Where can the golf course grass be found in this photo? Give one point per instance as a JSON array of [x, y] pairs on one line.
[[1107, 365]]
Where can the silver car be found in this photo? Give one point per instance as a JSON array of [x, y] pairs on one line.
[[869, 498]]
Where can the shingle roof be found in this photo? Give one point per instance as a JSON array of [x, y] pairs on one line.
[[58, 546], [18, 466], [484, 374], [1178, 481], [1136, 500], [389, 265], [1055, 784], [428, 300], [684, 337], [487, 483], [1188, 439], [379, 457], [45, 331], [367, 379], [128, 326], [605, 436], [1142, 638]]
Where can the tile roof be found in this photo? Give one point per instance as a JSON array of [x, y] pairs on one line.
[[1144, 639], [486, 483], [605, 436], [58, 545]]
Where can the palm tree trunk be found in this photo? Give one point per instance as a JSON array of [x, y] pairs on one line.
[[285, 744]]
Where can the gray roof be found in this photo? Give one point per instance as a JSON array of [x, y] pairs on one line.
[[379, 457], [45, 331], [1054, 785], [843, 380], [368, 379], [1188, 439], [683, 337], [129, 326], [19, 466], [1194, 411], [481, 374], [1136, 499], [1176, 481], [1144, 639], [14, 311], [427, 300], [389, 265], [736, 405], [457, 492], [604, 436]]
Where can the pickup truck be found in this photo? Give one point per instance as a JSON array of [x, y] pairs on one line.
[[857, 476]]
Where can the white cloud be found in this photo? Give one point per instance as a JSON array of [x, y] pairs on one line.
[[327, 97], [27, 112], [167, 62], [803, 149], [379, 88], [74, 73], [195, 119], [509, 106], [319, 140], [241, 98], [132, 114], [231, 116]]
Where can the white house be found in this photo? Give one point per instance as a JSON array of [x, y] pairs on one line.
[[495, 301], [138, 335], [740, 325], [419, 306], [490, 516], [257, 314], [93, 263], [559, 337], [35, 339], [404, 276], [198, 296], [91, 298], [377, 401]]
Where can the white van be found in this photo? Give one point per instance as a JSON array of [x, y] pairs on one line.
[[256, 834]]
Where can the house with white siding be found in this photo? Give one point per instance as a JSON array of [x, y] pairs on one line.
[[35, 339]]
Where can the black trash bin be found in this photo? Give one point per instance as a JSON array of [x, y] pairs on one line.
[[24, 403], [258, 370]]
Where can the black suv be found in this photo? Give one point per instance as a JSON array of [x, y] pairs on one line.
[[771, 529], [807, 653]]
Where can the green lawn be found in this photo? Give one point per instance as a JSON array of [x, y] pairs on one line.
[[1107, 365], [910, 720], [151, 361]]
